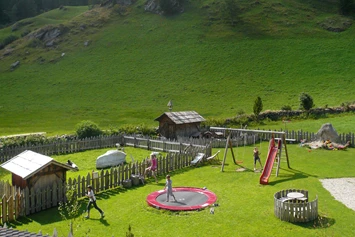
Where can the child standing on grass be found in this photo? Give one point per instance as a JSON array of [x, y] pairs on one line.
[[256, 158], [92, 201], [169, 188], [153, 167]]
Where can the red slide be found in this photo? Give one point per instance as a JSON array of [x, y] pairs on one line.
[[264, 178]]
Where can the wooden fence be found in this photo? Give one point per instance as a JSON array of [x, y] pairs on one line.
[[77, 145], [17, 202], [297, 136], [63, 147], [295, 211]]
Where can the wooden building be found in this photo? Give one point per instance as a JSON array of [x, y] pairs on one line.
[[179, 124], [34, 170]]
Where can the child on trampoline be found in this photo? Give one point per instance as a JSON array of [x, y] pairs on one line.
[[257, 158], [169, 188]]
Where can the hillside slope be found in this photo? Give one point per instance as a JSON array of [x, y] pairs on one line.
[[123, 68]]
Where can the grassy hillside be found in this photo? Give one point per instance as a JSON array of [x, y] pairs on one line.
[[135, 63]]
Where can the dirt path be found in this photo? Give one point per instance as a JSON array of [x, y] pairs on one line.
[[342, 189]]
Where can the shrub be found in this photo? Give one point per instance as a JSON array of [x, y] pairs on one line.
[[34, 43], [346, 6], [240, 112], [87, 128], [306, 101], [286, 107], [258, 107], [170, 6], [9, 39]]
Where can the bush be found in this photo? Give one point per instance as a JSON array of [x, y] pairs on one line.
[[87, 129], [286, 107], [346, 6], [258, 107], [306, 101], [9, 39], [34, 43], [170, 7], [213, 122]]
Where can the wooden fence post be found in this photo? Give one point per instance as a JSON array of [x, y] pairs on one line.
[[4, 209]]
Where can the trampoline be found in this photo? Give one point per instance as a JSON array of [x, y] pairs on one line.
[[187, 199]]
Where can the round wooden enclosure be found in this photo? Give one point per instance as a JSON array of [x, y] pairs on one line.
[[292, 205]]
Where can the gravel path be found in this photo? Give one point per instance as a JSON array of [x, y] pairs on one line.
[[342, 189]]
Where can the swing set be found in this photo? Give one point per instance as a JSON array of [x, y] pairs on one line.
[[274, 153]]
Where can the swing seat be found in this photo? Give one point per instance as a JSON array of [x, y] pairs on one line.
[[198, 158]]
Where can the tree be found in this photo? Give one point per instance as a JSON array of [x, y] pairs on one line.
[[170, 6], [346, 6], [87, 129], [230, 11], [258, 106], [306, 101]]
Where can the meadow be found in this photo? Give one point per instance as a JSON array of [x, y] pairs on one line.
[[245, 207], [135, 63]]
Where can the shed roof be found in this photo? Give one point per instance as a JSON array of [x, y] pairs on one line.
[[28, 163], [183, 117], [16, 233]]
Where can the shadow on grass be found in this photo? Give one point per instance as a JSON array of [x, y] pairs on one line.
[[52, 215], [102, 220], [321, 222], [293, 174]]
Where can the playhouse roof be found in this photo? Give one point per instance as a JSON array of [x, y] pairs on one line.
[[28, 163], [182, 117]]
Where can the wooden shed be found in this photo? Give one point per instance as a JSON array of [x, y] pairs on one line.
[[179, 124], [34, 170]]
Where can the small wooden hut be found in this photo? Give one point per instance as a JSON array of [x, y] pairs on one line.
[[34, 170], [179, 124]]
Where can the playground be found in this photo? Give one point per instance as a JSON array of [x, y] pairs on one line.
[[245, 207]]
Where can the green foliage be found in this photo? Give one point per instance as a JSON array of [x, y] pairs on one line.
[[214, 122], [34, 43], [71, 208], [258, 106], [170, 7], [9, 39], [243, 120], [230, 11], [346, 7], [87, 128], [129, 233], [240, 112], [286, 107], [306, 101]]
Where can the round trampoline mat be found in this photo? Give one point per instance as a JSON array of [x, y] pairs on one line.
[[187, 199]]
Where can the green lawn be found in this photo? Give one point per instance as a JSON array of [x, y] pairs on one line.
[[245, 207], [136, 63]]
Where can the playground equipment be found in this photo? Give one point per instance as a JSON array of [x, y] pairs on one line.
[[274, 156], [188, 199]]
